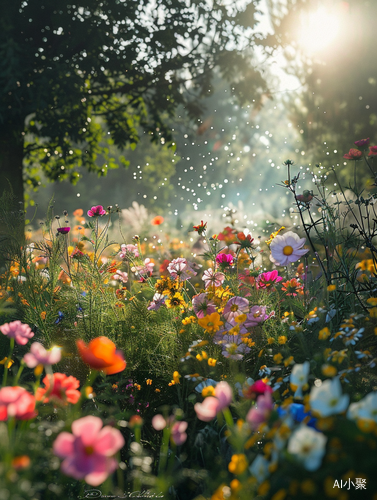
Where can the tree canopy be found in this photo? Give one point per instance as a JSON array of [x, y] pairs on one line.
[[73, 74]]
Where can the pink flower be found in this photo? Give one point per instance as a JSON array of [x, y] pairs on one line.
[[181, 268], [145, 270], [223, 393], [18, 331], [224, 259], [38, 355], [88, 452], [261, 412], [121, 276], [96, 211], [131, 249], [362, 142], [202, 305], [207, 410], [353, 154], [256, 315], [268, 280], [372, 151], [257, 389], [178, 432], [16, 402], [210, 277], [235, 307], [158, 422]]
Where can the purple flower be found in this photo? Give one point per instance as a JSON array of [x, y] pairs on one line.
[[235, 307], [157, 302], [202, 305], [132, 250], [18, 331], [362, 142], [38, 355], [256, 315], [178, 432], [180, 268], [210, 277], [96, 211], [63, 230]]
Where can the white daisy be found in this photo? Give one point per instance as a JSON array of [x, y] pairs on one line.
[[308, 446], [287, 248]]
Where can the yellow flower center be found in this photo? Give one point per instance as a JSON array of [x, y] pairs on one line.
[[288, 250], [234, 307], [89, 450]]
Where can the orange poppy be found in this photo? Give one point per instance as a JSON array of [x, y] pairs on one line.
[[156, 221], [101, 354]]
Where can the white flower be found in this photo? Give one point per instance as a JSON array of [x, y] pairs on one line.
[[366, 408], [259, 468], [299, 377], [327, 399], [308, 446], [287, 248]]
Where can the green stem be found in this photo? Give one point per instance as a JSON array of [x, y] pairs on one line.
[[5, 376]]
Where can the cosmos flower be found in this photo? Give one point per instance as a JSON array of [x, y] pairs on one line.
[[287, 248], [235, 307], [211, 277], [63, 230], [101, 354], [299, 377], [362, 143], [38, 355], [327, 399], [181, 268], [88, 451], [366, 408], [256, 315], [267, 280], [63, 389], [224, 259], [128, 249], [202, 305], [308, 446], [96, 211]]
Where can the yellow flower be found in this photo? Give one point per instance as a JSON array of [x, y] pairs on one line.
[[373, 312], [272, 236], [288, 361], [280, 495], [331, 288], [270, 340], [238, 464], [235, 330], [7, 362], [212, 362], [329, 371], [372, 301], [208, 391], [324, 333], [241, 318], [176, 300], [38, 370], [278, 358], [149, 381], [282, 339], [43, 314], [211, 323], [176, 377]]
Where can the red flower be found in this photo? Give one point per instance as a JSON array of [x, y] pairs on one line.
[[63, 391], [362, 142], [156, 221], [353, 154], [200, 228], [227, 235], [101, 354], [372, 151]]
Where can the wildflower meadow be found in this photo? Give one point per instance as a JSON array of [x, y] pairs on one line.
[[240, 365]]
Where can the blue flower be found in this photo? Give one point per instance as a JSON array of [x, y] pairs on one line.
[[60, 318]]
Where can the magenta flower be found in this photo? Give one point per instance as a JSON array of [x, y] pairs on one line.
[[63, 230], [235, 307], [259, 388], [372, 151], [16, 402], [88, 452], [18, 331], [362, 143], [224, 394], [268, 280], [178, 432], [261, 412], [202, 305], [96, 211], [38, 355], [224, 259], [210, 277]]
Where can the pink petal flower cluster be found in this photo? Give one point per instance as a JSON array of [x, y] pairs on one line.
[[259, 388], [211, 406], [16, 402], [20, 332], [353, 154], [372, 151], [145, 270], [181, 268], [88, 451], [96, 211], [38, 355], [261, 412], [128, 249], [224, 259], [178, 429], [235, 307], [362, 143], [256, 315], [202, 305], [59, 389], [120, 276], [268, 280], [211, 277]]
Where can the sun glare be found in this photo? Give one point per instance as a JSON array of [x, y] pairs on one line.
[[318, 30]]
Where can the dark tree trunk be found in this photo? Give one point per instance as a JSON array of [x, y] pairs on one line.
[[11, 183]]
